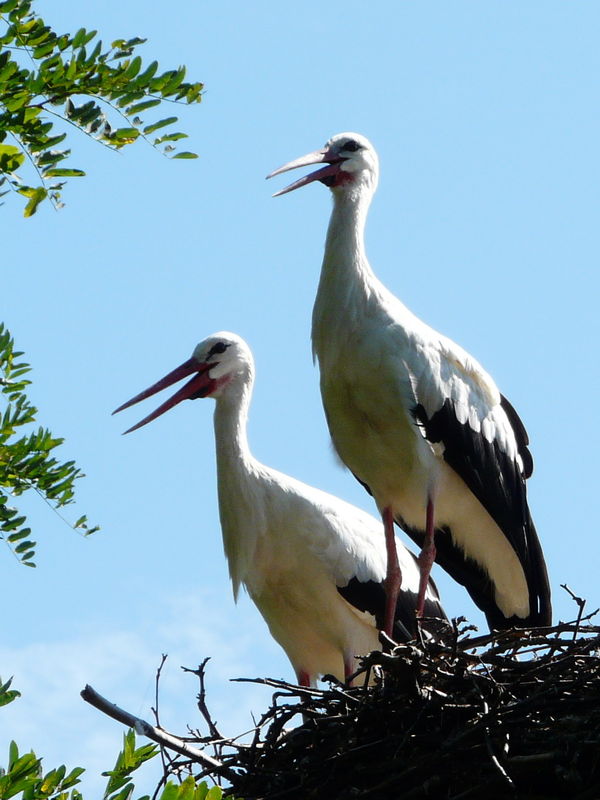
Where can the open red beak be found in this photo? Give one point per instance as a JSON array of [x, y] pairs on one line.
[[200, 385], [326, 155]]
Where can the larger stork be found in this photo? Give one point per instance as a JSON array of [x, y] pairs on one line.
[[416, 419], [313, 564]]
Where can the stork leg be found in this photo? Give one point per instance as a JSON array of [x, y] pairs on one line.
[[394, 577], [427, 557], [303, 678], [349, 667]]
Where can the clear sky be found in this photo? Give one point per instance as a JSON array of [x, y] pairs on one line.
[[487, 123]]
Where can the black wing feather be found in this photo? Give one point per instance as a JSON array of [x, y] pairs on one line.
[[520, 435], [369, 596], [498, 483]]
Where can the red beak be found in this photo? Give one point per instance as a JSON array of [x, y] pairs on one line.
[[326, 155], [200, 385]]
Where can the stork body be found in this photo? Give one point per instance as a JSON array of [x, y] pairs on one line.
[[313, 564], [416, 419]]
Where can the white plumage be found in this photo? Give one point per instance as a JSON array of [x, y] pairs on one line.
[[416, 419], [313, 564]]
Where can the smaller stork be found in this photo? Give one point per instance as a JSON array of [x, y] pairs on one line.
[[314, 565]]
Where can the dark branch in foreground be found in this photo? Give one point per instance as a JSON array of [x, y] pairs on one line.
[[157, 735]]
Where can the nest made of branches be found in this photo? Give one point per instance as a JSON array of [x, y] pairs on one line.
[[512, 714]]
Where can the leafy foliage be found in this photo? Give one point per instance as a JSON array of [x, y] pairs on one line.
[[190, 790], [45, 76], [131, 759], [27, 462], [7, 695], [25, 777]]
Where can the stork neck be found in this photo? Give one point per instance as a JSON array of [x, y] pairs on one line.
[[346, 281], [238, 476], [345, 242], [230, 423]]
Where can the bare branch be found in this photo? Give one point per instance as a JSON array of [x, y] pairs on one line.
[[201, 698], [161, 737]]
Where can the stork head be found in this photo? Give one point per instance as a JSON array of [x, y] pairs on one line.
[[220, 361], [350, 163]]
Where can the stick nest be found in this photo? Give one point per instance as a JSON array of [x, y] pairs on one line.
[[512, 714]]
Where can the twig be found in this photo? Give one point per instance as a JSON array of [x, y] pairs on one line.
[[493, 757], [164, 739], [156, 682], [580, 604], [163, 754], [290, 688], [201, 698]]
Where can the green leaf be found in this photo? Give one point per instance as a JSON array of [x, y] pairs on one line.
[[79, 38], [170, 137], [125, 135], [72, 778], [7, 71], [13, 754], [43, 50], [128, 760], [52, 780], [161, 124], [147, 74], [185, 155], [187, 790], [133, 68], [89, 36], [15, 537], [36, 198], [16, 101], [7, 695], [137, 108], [24, 546], [11, 158], [63, 173], [71, 71], [170, 792]]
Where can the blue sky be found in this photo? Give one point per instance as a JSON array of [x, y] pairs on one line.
[[486, 120]]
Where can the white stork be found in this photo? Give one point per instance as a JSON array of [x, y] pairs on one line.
[[416, 419], [313, 564]]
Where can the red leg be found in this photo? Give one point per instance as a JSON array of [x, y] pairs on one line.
[[303, 678], [394, 577], [427, 557], [349, 667]]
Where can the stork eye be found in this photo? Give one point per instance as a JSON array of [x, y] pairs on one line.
[[352, 146], [217, 349]]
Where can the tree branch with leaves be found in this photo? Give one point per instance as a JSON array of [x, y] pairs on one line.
[[44, 76], [27, 461]]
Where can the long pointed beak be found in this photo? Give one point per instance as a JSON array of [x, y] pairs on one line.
[[317, 157], [199, 386]]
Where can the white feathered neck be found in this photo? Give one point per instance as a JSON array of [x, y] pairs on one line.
[[240, 509]]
